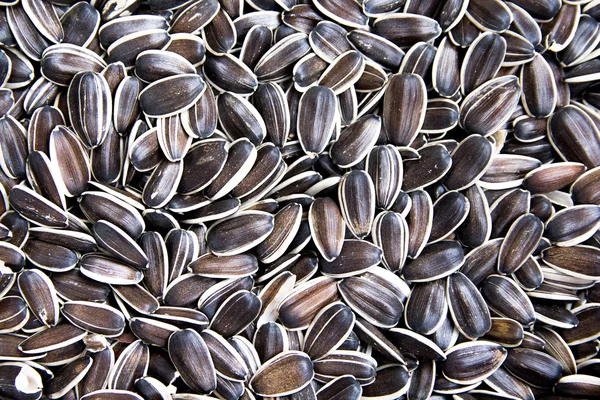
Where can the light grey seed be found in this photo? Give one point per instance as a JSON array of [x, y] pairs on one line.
[[469, 311], [95, 318], [20, 380], [52, 338], [384, 165], [131, 365], [412, 343], [376, 48], [327, 227], [490, 15], [219, 34], [240, 119], [343, 72], [194, 16], [533, 367], [376, 8], [436, 261], [61, 62], [118, 243], [520, 242], [507, 299], [191, 47], [391, 380], [286, 226], [573, 225], [489, 106], [126, 104], [28, 37], [186, 290], [300, 17], [182, 247], [36, 208], [90, 107], [271, 103], [558, 348], [403, 118], [72, 160], [98, 205], [39, 293], [356, 194], [317, 119], [277, 63], [44, 179], [137, 298], [378, 305], [546, 179], [202, 164], [73, 286], [13, 147], [284, 374], [227, 73], [482, 61], [190, 355], [344, 362], [430, 296], [577, 261], [237, 312], [328, 330], [419, 221], [574, 135], [587, 329], [172, 95], [200, 120], [343, 387], [298, 309], [449, 212], [14, 315], [405, 29], [539, 90], [459, 366], [104, 269], [227, 361], [269, 340], [257, 42]]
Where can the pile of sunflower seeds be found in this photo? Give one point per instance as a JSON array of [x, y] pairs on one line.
[[299, 199]]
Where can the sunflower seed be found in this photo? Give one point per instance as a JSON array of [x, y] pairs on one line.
[[317, 119], [285, 374]]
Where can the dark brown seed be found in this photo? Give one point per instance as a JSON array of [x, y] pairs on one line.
[[533, 367], [404, 106], [470, 362], [284, 374]]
